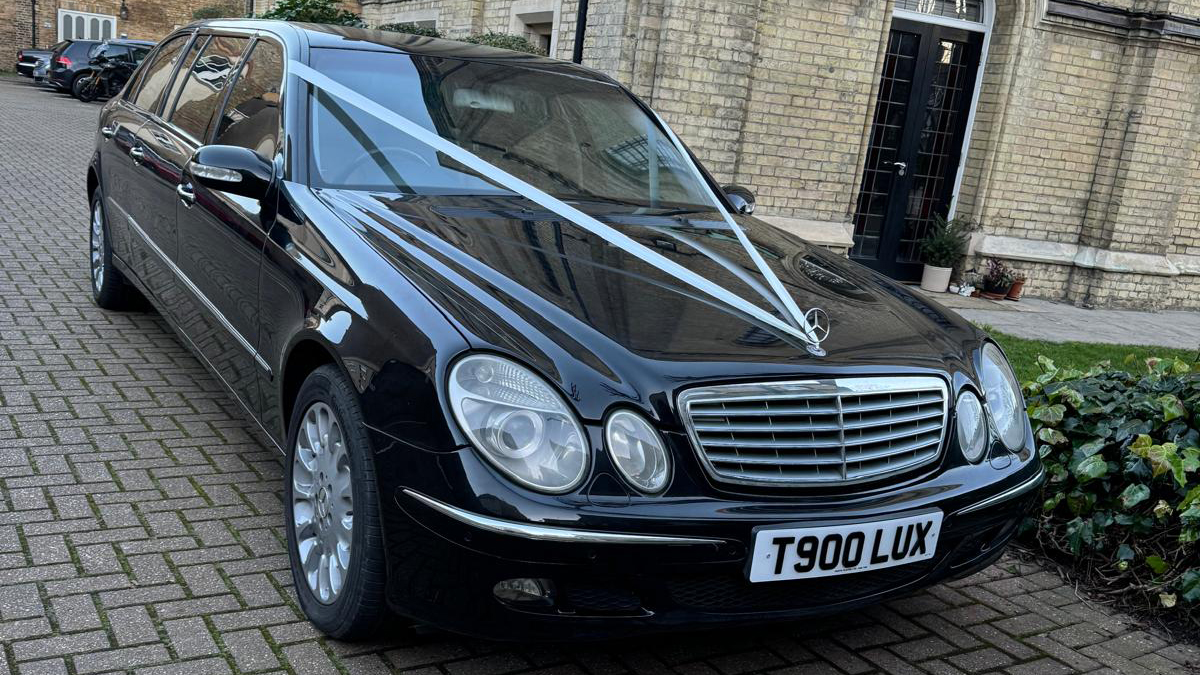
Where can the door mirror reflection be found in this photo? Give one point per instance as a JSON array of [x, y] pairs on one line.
[[742, 199]]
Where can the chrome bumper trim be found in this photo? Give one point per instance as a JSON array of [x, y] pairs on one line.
[[1011, 493], [548, 533]]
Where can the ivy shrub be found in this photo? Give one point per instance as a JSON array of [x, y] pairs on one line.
[[1122, 453], [505, 41], [411, 29], [313, 11], [218, 11]]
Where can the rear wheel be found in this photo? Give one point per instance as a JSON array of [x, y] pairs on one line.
[[335, 542], [110, 290]]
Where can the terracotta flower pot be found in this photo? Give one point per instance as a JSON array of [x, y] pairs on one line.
[[935, 279], [1014, 293]]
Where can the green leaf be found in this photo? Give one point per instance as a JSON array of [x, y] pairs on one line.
[[1091, 447], [1191, 460], [1050, 414], [1090, 468], [1190, 498], [1051, 436], [1172, 407], [1157, 564], [1189, 585], [1134, 494], [1125, 552]]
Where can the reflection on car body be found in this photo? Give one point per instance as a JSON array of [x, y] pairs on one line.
[[535, 374]]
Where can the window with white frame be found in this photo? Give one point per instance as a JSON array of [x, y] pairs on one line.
[[74, 25]]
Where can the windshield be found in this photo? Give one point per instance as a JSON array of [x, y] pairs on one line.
[[571, 137]]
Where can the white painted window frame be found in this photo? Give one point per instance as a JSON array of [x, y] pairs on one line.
[[984, 27], [86, 15]]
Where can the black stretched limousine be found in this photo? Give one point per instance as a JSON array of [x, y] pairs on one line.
[[534, 372]]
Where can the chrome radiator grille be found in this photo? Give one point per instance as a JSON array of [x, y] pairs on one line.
[[816, 432]]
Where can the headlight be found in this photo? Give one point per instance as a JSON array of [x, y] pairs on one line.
[[637, 451], [972, 427], [518, 422], [1005, 404]]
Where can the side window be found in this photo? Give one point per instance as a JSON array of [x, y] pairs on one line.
[[116, 53], [251, 117], [188, 60], [206, 79], [138, 54], [157, 74]]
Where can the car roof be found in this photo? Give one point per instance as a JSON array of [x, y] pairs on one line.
[[369, 39], [127, 41]]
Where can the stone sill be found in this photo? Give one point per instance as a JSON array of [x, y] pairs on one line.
[[1088, 257]]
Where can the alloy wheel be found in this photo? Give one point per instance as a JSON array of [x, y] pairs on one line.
[[97, 246], [322, 502]]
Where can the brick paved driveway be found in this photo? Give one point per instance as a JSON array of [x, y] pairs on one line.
[[140, 525]]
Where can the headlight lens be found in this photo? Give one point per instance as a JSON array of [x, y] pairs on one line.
[[518, 422], [1005, 404], [972, 427], [637, 451]]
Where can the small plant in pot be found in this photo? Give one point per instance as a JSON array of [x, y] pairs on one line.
[[997, 280], [1018, 285], [942, 249]]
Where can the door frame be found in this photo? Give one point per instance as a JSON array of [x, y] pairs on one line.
[[985, 27]]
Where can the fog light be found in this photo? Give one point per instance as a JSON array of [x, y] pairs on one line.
[[525, 591]]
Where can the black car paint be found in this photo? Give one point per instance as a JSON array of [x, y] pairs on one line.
[[394, 287], [27, 60]]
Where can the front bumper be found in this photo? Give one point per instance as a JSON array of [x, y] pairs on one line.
[[619, 569]]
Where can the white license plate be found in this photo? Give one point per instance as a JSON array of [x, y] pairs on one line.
[[807, 552]]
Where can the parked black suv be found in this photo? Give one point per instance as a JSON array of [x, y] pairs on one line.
[[72, 59]]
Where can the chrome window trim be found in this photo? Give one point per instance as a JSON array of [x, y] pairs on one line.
[[547, 532], [826, 387], [208, 304]]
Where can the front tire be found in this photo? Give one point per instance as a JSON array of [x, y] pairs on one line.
[[335, 542], [78, 83], [110, 290]]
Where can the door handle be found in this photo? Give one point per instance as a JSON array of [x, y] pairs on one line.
[[901, 168], [109, 131], [137, 153], [186, 194]]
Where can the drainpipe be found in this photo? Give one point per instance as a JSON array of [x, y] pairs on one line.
[[580, 30], [33, 22]]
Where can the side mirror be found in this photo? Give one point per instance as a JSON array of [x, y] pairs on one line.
[[233, 169], [741, 198]]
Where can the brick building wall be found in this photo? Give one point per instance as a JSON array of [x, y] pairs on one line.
[[1082, 167]]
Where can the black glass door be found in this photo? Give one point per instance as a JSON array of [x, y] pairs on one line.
[[925, 93]]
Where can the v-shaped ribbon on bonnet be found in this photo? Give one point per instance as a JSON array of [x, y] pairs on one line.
[[799, 326]]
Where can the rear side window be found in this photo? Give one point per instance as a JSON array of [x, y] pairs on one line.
[[156, 75], [206, 79], [251, 117]]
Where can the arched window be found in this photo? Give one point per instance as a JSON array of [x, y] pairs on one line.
[[73, 25]]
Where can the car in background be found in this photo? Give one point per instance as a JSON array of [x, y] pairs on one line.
[[72, 59], [40, 68], [27, 60]]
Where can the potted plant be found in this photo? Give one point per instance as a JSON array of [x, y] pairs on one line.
[[997, 280], [1014, 292], [942, 249]]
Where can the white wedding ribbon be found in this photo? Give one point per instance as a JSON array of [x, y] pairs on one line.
[[802, 330]]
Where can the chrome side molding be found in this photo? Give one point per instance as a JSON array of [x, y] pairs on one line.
[[549, 533]]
